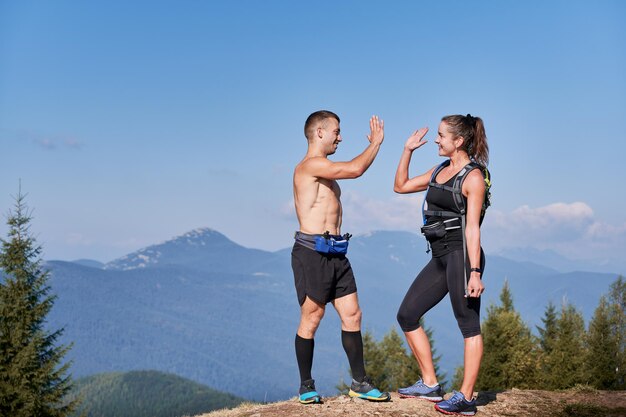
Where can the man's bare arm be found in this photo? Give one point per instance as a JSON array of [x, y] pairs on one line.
[[323, 168]]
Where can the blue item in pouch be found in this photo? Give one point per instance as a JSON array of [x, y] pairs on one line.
[[331, 245]]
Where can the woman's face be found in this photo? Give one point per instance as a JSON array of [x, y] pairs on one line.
[[447, 142]]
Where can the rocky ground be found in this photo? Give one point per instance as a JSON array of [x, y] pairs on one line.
[[527, 403]]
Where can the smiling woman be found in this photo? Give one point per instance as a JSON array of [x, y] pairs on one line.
[[454, 205]]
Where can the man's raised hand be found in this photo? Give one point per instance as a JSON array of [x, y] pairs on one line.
[[377, 130]]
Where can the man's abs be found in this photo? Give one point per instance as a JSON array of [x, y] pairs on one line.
[[318, 206]]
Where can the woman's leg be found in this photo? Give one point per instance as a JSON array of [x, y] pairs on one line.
[[420, 346], [467, 313], [473, 355], [426, 291]]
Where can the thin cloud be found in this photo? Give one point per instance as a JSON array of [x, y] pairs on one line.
[[363, 214], [73, 143], [45, 143], [48, 142], [78, 239], [568, 228], [554, 222]]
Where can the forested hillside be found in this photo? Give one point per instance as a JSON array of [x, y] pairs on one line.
[[146, 394]]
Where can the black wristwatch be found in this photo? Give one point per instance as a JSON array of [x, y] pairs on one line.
[[480, 271]]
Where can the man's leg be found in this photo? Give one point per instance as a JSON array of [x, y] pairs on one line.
[[311, 314], [350, 313]]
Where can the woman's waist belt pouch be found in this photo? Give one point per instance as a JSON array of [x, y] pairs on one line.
[[331, 244], [438, 229]]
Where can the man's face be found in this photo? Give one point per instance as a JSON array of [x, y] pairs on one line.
[[329, 134]]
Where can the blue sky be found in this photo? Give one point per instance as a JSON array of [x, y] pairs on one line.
[[129, 123]]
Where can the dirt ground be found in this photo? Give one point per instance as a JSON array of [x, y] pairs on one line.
[[525, 403]]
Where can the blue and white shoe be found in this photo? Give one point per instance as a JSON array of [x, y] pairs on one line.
[[421, 390], [308, 394], [457, 405], [367, 391]]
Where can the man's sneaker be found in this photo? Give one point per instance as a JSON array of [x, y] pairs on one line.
[[421, 390], [308, 395], [457, 405], [367, 391]]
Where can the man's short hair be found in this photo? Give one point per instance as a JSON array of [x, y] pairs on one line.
[[316, 118]]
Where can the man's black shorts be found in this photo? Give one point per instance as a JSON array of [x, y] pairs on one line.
[[321, 277]]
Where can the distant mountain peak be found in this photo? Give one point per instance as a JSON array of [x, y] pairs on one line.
[[200, 239], [199, 236]]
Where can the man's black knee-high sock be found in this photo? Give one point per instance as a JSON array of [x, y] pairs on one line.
[[304, 355], [353, 345]]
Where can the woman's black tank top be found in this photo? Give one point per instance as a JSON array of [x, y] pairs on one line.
[[438, 199]]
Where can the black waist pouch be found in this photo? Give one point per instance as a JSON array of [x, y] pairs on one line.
[[434, 231]]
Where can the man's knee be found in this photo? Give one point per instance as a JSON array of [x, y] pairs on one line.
[[352, 319], [311, 315]]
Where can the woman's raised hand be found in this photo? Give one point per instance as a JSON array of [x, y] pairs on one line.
[[416, 139]]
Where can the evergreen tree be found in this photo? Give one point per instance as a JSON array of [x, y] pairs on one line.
[[399, 367], [617, 300], [547, 334], [602, 342], [32, 378], [510, 350], [604, 365], [547, 340], [566, 358]]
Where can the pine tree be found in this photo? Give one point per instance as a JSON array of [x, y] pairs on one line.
[[602, 343], [510, 350], [547, 334], [399, 368], [605, 341], [617, 300], [32, 378], [547, 340], [566, 359]]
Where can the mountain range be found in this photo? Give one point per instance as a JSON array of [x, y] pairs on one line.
[[205, 308]]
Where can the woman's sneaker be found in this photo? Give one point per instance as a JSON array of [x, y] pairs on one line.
[[457, 405], [308, 394], [367, 391], [421, 390]]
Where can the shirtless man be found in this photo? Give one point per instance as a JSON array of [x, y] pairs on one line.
[[322, 273]]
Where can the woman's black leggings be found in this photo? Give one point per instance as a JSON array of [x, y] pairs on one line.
[[440, 276]]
